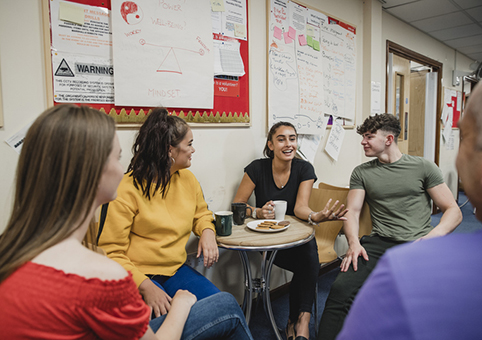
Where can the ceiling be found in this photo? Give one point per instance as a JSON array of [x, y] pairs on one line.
[[456, 23]]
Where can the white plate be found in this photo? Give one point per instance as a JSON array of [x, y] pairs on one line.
[[253, 224]]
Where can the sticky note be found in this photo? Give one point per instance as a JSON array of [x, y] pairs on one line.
[[310, 41], [292, 33], [288, 40], [71, 12], [240, 30], [302, 40], [217, 5], [277, 33], [316, 45], [310, 30]]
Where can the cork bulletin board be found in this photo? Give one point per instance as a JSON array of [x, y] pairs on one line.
[[72, 71]]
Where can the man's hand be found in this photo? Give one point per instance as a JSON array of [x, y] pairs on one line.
[[208, 247], [155, 297], [352, 254]]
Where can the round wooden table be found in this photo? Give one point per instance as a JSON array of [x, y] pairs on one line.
[[244, 239]]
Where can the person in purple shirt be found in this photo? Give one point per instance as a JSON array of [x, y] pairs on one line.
[[430, 289]]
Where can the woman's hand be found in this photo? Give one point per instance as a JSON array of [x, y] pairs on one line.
[[208, 247], [267, 211], [184, 299], [332, 213], [155, 297]]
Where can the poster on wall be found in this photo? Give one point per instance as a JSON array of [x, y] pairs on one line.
[[81, 53], [311, 67], [163, 53]]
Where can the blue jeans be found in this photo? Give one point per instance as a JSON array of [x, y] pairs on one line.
[[185, 278], [215, 317]]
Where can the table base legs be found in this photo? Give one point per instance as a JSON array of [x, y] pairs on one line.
[[259, 286]]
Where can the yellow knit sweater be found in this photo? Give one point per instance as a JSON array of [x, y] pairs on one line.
[[150, 236]]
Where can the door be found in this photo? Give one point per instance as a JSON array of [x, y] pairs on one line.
[[416, 124], [401, 99]]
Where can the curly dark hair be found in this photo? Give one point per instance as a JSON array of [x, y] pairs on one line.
[[151, 162], [267, 152], [382, 121]]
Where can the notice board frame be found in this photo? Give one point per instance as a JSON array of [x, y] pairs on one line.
[[227, 111], [347, 123]]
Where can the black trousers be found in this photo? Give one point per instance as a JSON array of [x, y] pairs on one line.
[[303, 262], [347, 284]]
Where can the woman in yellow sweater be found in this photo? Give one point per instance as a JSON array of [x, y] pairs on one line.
[[159, 203]]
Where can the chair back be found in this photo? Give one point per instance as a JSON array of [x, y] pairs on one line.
[[327, 232]]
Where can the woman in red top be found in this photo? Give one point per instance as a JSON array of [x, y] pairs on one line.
[[51, 286]]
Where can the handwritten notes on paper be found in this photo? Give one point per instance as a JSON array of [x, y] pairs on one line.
[[335, 140], [312, 69], [163, 53]]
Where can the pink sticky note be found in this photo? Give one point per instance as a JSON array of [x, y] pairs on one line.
[[302, 40], [292, 33], [277, 32], [288, 40]]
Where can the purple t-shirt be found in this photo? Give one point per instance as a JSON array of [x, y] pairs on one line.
[[430, 289]]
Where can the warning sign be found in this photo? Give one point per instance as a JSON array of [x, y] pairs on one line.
[[64, 70], [82, 78]]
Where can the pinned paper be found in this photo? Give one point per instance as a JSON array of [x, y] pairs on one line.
[[292, 33], [240, 30], [71, 12], [302, 40], [277, 33], [335, 139], [310, 41], [288, 40], [316, 45], [217, 5], [16, 141]]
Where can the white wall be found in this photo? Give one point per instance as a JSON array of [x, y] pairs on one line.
[[221, 154]]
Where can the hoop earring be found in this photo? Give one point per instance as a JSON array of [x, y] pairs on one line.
[[173, 160]]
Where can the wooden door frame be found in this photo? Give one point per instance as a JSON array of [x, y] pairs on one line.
[[436, 67]]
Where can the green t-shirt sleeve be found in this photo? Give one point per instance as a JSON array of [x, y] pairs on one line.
[[433, 175], [356, 181]]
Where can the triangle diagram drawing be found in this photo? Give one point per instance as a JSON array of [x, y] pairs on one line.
[[170, 63]]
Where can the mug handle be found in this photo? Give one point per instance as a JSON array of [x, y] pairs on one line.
[[250, 208]]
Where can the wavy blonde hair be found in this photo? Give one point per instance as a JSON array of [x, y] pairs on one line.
[[57, 177]]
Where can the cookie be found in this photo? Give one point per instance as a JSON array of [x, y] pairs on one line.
[[277, 226], [284, 223]]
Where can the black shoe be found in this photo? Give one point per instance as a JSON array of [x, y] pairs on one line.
[[299, 337]]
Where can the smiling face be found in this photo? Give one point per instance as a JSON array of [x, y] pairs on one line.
[[374, 144], [284, 143], [182, 154]]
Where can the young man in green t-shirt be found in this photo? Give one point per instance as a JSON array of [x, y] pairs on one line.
[[398, 189]]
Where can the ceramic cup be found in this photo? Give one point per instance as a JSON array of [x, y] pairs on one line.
[[280, 209], [224, 223], [239, 213]]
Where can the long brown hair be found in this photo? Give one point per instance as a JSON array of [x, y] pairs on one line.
[[151, 162], [58, 173]]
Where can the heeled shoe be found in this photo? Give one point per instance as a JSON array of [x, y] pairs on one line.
[[299, 337]]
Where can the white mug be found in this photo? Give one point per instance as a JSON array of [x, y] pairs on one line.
[[280, 209]]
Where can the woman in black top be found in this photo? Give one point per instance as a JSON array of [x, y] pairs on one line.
[[281, 176]]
